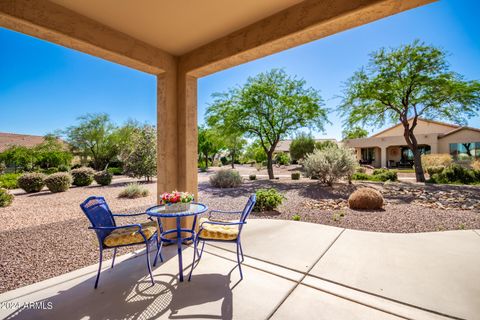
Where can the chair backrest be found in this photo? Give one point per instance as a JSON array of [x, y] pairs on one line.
[[248, 207], [97, 211]]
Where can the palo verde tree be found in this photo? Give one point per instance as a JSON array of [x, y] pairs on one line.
[[355, 132], [405, 83], [209, 143], [94, 137], [269, 107]]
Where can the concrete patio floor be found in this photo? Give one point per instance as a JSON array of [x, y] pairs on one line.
[[292, 270]]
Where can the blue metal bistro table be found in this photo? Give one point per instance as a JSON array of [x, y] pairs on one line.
[[159, 212]]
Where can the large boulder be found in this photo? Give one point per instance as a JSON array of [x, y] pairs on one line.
[[365, 199]]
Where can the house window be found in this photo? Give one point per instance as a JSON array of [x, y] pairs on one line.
[[465, 150], [368, 155], [407, 154]]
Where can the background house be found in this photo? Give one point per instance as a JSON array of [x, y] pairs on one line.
[[389, 149]]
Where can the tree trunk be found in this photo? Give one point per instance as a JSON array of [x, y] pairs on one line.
[[270, 165], [233, 159], [206, 161], [417, 159]]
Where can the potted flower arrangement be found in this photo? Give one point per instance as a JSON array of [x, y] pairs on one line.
[[176, 201]]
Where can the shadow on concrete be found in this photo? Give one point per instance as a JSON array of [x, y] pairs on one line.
[[128, 293]]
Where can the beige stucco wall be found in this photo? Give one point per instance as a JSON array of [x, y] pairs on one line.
[[423, 127], [461, 136]]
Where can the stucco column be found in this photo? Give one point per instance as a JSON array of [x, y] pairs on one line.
[[383, 157], [176, 137]]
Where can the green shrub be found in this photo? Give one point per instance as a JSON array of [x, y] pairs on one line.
[[2, 167], [379, 171], [63, 168], [59, 182], [456, 174], [330, 164], [434, 169], [224, 161], [302, 145], [385, 176], [32, 182], [295, 175], [133, 190], [282, 159], [103, 178], [50, 170], [252, 177], [6, 198], [9, 180], [296, 217], [226, 179], [267, 199], [82, 176], [115, 171]]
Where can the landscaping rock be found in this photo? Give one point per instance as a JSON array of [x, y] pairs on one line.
[[365, 199]]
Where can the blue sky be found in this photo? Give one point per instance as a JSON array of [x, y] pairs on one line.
[[44, 87]]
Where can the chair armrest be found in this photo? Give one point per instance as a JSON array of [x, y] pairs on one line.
[[127, 214], [226, 223], [120, 227]]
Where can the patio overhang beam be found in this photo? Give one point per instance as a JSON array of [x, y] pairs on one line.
[[305, 22], [51, 22]]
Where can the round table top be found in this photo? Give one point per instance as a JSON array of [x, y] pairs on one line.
[[159, 211]]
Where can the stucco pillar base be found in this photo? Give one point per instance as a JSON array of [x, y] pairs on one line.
[[383, 157]]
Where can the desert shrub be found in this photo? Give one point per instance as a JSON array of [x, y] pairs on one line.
[[365, 199], [282, 159], [379, 171], [360, 176], [267, 199], [50, 170], [302, 145], [296, 217], [387, 175], [133, 190], [475, 165], [224, 161], [115, 171], [330, 164], [295, 175], [76, 166], [63, 168], [103, 178], [434, 170], [432, 160], [226, 179], [360, 170], [216, 163], [457, 174], [6, 198], [2, 167], [252, 177], [9, 180], [82, 176], [59, 182], [32, 182]]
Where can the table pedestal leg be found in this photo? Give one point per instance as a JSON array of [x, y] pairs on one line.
[[179, 249]]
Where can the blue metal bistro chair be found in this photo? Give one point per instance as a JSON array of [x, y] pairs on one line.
[[111, 236], [222, 231]]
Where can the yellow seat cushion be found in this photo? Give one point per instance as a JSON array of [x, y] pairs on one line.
[[218, 232], [120, 237]]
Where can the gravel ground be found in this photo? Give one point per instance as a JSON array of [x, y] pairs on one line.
[[44, 235]]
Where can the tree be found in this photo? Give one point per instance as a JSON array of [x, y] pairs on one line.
[[321, 145], [140, 157], [19, 157], [269, 107], [51, 153], [302, 145], [355, 132], [95, 137], [405, 83], [209, 143], [255, 152], [234, 144]]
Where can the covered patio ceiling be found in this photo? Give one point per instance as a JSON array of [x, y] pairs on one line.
[[180, 41]]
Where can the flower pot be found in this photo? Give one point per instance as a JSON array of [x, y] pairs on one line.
[[176, 207]]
